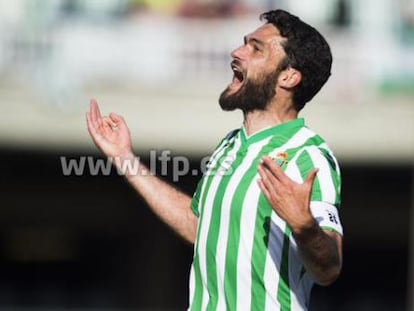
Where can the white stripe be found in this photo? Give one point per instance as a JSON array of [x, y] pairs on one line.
[[244, 258], [223, 238], [192, 286], [292, 170], [301, 137], [202, 240], [297, 296], [295, 263], [273, 261]]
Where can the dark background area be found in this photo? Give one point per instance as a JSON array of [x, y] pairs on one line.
[[90, 242]]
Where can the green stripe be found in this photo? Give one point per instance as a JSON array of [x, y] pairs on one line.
[[283, 291], [305, 165], [196, 198], [335, 177], [260, 249], [198, 286], [230, 279], [213, 234]]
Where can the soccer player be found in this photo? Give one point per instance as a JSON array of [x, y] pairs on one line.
[[264, 218]]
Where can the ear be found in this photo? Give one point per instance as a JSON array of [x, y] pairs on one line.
[[289, 78]]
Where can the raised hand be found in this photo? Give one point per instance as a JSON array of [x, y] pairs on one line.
[[109, 133], [290, 200]]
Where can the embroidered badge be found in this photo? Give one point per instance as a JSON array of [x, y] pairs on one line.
[[281, 159]]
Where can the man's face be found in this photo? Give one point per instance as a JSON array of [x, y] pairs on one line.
[[255, 65]]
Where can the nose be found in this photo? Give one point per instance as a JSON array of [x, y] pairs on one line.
[[238, 53]]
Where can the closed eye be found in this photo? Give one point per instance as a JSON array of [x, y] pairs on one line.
[[255, 43], [256, 48]]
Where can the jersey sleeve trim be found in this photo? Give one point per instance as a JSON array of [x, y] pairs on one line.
[[326, 216]]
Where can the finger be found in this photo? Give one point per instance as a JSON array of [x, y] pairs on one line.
[[265, 174], [95, 113], [270, 164], [95, 108], [268, 180], [264, 189], [118, 120], [108, 126], [90, 124], [108, 122]]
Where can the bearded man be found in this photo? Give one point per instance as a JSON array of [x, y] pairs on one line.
[[264, 218]]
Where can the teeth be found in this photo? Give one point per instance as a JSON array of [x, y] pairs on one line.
[[234, 68], [238, 73]]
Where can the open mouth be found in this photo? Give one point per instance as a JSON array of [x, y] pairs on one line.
[[238, 76]]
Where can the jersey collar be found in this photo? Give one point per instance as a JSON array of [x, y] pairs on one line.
[[281, 129]]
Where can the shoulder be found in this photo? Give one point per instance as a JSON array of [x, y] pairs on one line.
[[226, 141], [314, 153], [229, 137], [315, 147]]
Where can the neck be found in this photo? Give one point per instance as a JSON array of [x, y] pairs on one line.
[[257, 120]]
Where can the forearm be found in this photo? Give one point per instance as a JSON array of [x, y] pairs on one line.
[[111, 135], [169, 204], [320, 252]]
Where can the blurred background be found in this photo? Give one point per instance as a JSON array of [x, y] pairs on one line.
[[87, 242]]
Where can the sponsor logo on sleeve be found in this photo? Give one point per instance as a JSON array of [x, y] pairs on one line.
[[332, 217]]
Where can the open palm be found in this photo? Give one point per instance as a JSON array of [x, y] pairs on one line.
[[110, 133]]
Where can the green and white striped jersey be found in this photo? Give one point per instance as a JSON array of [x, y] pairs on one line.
[[245, 257]]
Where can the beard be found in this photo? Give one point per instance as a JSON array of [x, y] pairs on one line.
[[253, 95]]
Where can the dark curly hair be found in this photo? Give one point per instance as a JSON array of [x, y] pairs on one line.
[[306, 50]]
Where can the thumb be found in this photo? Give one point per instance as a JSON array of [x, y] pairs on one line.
[[311, 178]]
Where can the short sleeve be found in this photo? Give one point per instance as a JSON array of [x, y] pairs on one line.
[[195, 202], [326, 191]]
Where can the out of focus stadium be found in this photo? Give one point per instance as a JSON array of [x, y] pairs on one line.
[[87, 242]]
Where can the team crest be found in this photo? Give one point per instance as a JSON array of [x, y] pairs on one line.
[[281, 158]]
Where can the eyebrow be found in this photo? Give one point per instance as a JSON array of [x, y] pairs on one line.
[[250, 39]]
